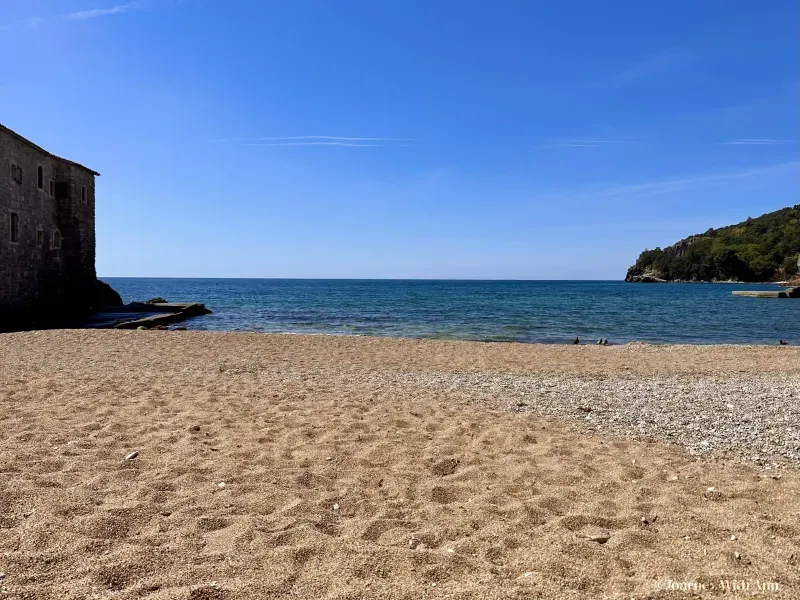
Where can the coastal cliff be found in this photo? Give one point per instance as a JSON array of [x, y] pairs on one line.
[[764, 249]]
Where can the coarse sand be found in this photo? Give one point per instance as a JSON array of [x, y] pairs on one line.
[[324, 467]]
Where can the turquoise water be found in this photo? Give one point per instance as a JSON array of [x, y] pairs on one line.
[[518, 311]]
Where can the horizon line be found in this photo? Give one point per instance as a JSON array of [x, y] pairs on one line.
[[360, 278]]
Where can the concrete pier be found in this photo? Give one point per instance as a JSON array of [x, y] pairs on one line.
[[141, 314], [787, 293]]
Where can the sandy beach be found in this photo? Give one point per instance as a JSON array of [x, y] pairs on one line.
[[287, 466]]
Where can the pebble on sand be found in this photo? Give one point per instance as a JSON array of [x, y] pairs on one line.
[[132, 455]]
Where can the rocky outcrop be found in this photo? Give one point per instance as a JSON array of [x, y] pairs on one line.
[[637, 274], [104, 295], [78, 299]]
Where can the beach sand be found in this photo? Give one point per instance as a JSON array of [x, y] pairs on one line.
[[282, 466]]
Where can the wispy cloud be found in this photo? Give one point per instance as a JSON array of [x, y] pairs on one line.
[[585, 143], [93, 13], [349, 144], [315, 138], [652, 65], [711, 179], [320, 140], [335, 137], [103, 12], [674, 185], [757, 142]]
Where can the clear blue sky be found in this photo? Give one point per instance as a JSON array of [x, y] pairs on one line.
[[496, 139]]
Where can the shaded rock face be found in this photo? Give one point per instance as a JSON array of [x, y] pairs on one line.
[[105, 295], [75, 302], [637, 274]]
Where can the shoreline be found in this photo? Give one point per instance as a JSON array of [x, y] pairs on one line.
[[589, 341], [727, 282], [533, 357]]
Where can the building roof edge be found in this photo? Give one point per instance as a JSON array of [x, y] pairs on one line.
[[40, 149]]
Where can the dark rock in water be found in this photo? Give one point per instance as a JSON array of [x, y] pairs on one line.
[[156, 300], [104, 295]]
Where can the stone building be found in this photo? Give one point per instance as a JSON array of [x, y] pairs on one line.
[[47, 234]]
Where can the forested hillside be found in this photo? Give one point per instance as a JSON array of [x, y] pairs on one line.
[[762, 249]]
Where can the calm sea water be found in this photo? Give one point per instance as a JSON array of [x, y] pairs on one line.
[[518, 311]]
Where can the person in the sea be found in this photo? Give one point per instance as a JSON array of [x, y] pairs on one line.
[[577, 341]]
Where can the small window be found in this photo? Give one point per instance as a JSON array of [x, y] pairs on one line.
[[83, 194], [39, 237], [56, 239], [40, 177], [52, 188], [14, 222], [16, 173]]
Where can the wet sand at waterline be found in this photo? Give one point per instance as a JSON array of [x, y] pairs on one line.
[[278, 466]]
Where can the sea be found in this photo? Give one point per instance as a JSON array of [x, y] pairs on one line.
[[554, 312]]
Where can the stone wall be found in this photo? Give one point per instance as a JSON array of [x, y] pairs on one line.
[[37, 277]]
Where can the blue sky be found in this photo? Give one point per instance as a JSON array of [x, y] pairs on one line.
[[505, 139]]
